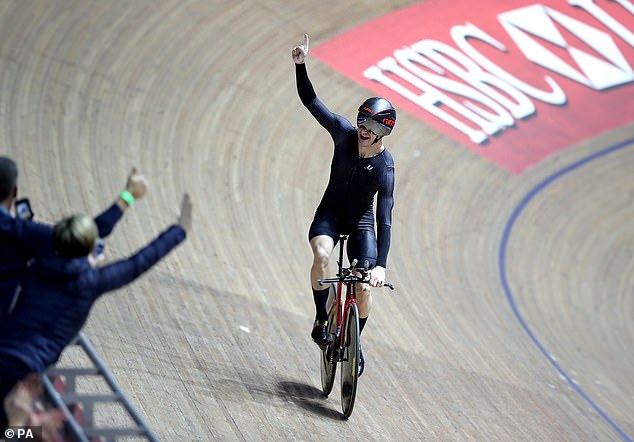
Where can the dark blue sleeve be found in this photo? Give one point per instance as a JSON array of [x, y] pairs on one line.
[[32, 234], [108, 219], [336, 125], [29, 234], [120, 273], [384, 205]]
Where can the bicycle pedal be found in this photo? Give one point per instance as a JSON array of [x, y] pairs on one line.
[[330, 342]]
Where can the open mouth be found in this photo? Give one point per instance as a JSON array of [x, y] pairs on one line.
[[364, 133]]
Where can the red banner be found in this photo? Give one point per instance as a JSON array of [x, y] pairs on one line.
[[514, 81]]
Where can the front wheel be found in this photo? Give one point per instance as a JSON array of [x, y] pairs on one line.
[[350, 360], [328, 356]]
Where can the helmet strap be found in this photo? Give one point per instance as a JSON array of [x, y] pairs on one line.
[[378, 138]]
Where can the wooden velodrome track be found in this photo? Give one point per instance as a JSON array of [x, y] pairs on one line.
[[213, 343]]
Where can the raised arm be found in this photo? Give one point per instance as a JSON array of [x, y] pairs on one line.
[[333, 123], [135, 188], [304, 86], [120, 273]]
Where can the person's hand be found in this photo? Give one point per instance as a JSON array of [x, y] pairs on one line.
[[18, 404], [185, 218], [377, 276], [51, 421], [136, 184], [300, 52]]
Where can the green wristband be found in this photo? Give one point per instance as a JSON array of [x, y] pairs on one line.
[[127, 197]]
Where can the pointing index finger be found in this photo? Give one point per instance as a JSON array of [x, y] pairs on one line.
[[306, 42]]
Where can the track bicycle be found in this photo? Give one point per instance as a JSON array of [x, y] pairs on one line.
[[344, 344]]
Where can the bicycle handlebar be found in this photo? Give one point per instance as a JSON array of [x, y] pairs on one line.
[[353, 274], [351, 279]]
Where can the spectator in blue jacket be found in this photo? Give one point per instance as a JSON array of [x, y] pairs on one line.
[[60, 288], [22, 238]]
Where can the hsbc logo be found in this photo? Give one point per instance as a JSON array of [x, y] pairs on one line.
[[531, 70], [527, 25]]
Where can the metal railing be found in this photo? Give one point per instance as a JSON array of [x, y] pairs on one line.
[[60, 386]]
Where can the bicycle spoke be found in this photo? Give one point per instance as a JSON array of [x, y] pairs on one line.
[[350, 360], [328, 354]]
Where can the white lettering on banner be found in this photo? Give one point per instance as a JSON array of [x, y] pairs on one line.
[[538, 21], [500, 119], [481, 80], [484, 80], [555, 96], [607, 19], [430, 99], [627, 5]]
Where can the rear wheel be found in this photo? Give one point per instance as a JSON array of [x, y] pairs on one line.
[[328, 356], [350, 360]]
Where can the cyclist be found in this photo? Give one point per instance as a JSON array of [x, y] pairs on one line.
[[361, 168]]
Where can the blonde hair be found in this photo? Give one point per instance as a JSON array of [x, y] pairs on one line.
[[75, 236]]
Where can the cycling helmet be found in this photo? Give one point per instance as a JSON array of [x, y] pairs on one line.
[[377, 115]]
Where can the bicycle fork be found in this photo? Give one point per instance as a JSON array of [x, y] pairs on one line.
[[342, 323]]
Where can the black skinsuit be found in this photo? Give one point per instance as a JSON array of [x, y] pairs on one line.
[[347, 204]]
